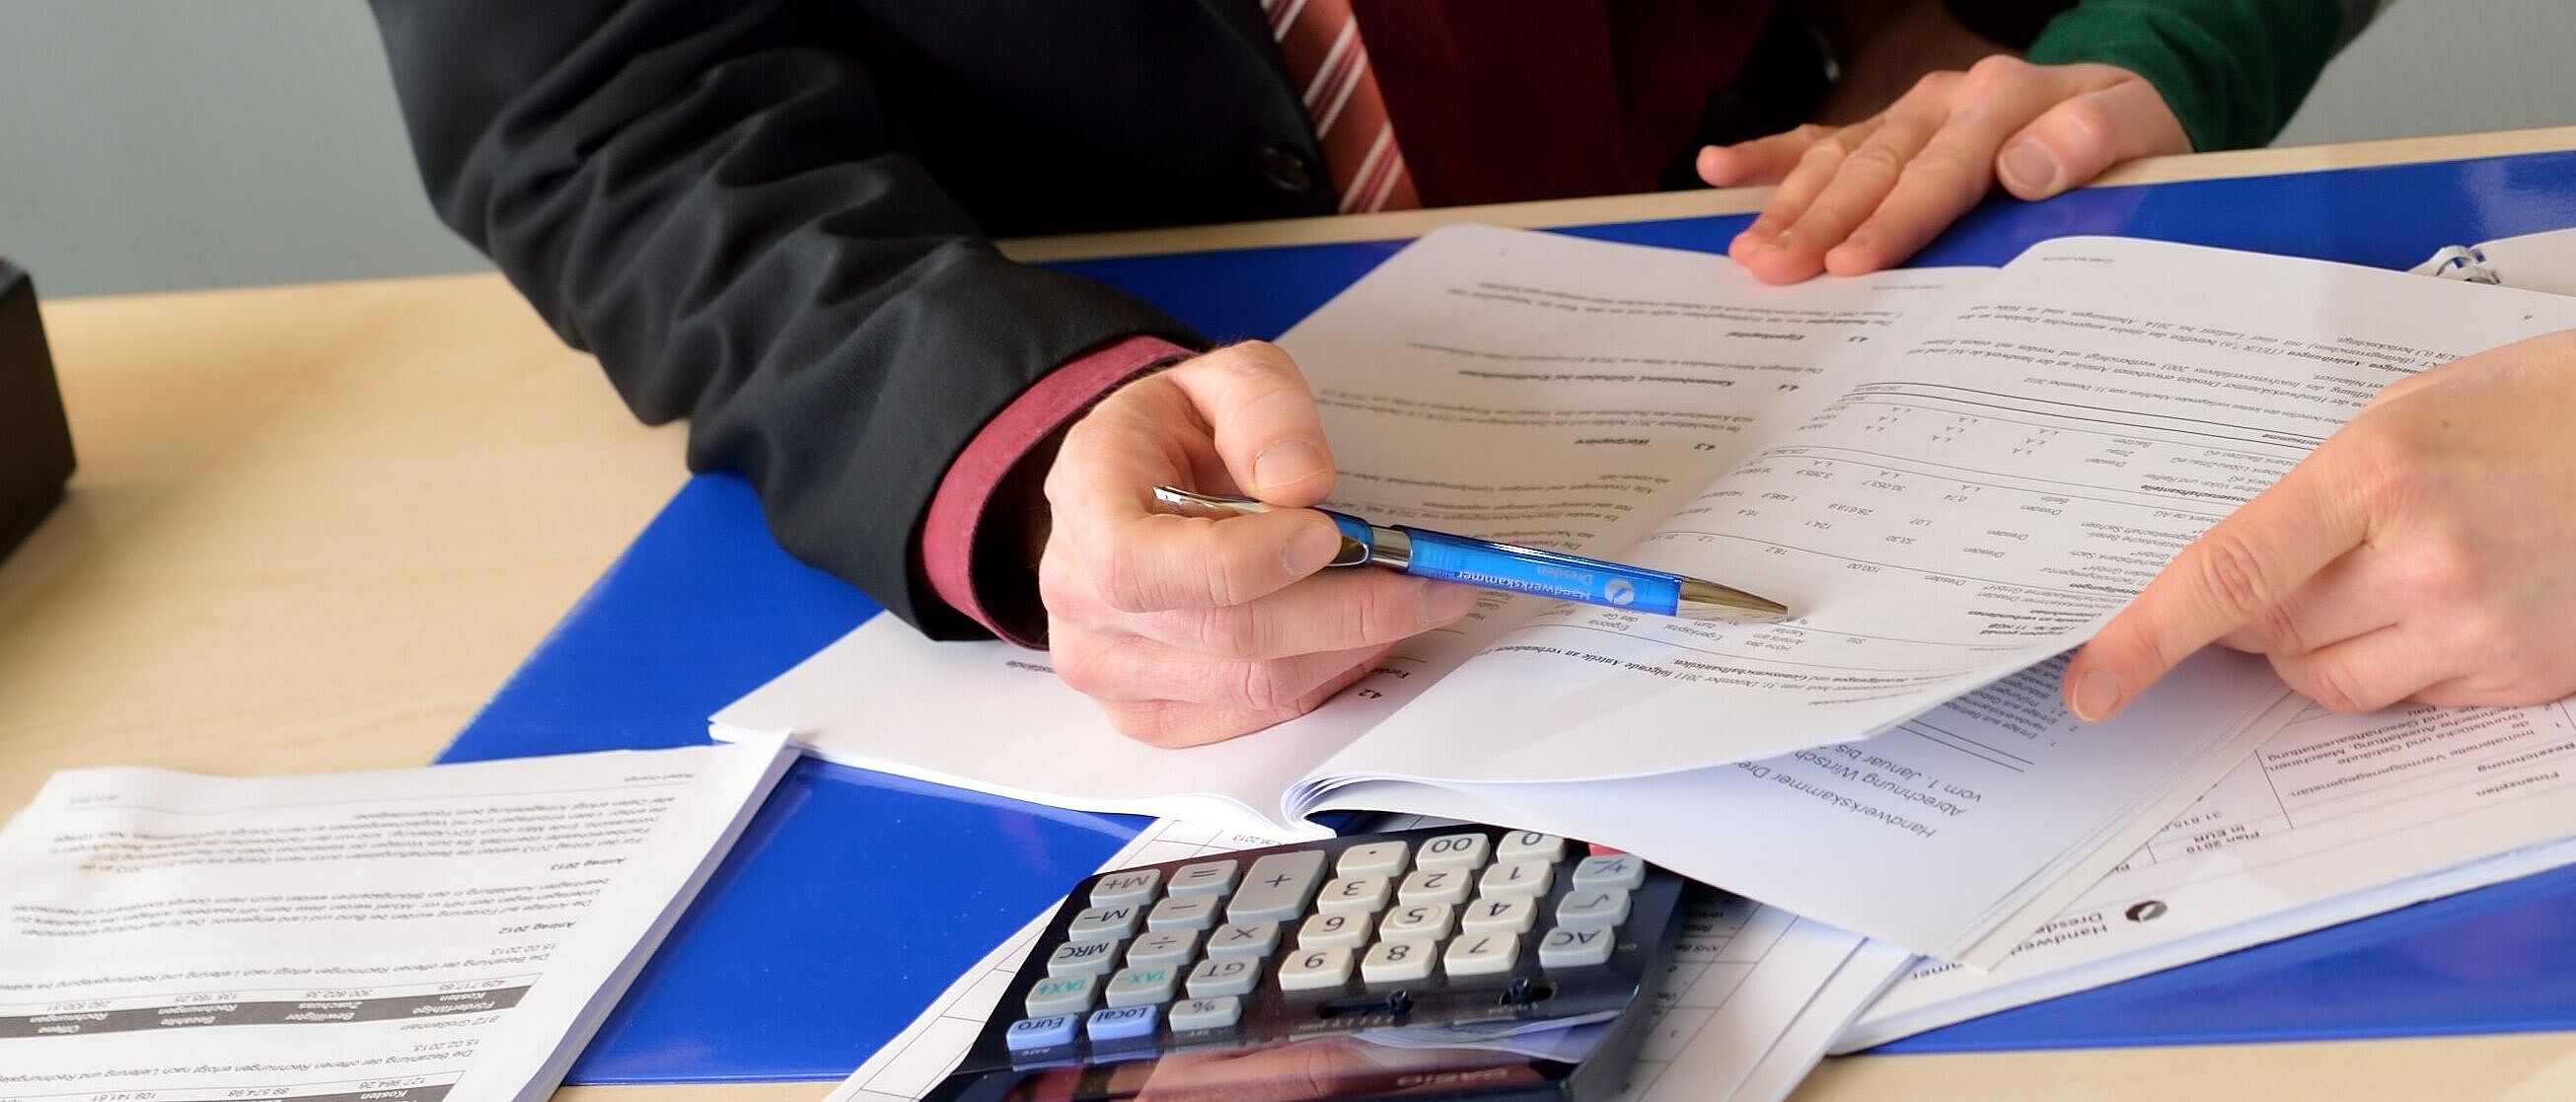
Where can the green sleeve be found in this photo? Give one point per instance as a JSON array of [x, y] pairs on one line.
[[2232, 70]]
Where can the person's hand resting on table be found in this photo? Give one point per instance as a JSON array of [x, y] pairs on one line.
[[2426, 552], [1864, 197], [1188, 630]]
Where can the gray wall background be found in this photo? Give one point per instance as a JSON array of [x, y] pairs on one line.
[[154, 145]]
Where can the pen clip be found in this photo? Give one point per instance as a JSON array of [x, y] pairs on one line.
[[1358, 539]]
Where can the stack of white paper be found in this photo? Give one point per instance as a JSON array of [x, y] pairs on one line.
[[450, 933]]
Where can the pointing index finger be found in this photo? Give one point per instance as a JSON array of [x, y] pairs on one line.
[[2242, 566]]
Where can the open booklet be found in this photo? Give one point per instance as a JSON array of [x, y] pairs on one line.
[[1951, 474]]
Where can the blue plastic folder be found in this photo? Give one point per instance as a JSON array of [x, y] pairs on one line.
[[854, 897]]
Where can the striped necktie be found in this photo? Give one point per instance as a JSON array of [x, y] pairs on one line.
[[1326, 63]]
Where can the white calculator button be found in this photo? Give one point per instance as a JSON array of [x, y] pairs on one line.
[[1204, 878], [1615, 871], [1486, 916], [1452, 851], [1481, 954], [1516, 880], [1366, 895], [1219, 978], [1333, 931], [1163, 947], [1133, 886], [1188, 912], [1398, 961], [1216, 1013], [1311, 969], [1429, 922], [1277, 887], [1082, 958], [1103, 923], [1376, 860], [1061, 995], [1243, 939], [1530, 845], [1435, 886], [1564, 948], [1144, 986], [1601, 908]]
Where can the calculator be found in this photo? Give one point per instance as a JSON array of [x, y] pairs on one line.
[[1444, 962]]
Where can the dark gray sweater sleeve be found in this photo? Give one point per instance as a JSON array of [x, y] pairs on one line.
[[719, 208]]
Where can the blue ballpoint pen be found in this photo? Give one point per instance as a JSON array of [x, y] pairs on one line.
[[1483, 563]]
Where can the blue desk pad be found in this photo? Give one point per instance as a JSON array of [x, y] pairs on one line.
[[803, 954]]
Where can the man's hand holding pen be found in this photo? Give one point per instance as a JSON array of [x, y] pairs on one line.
[[1189, 630]]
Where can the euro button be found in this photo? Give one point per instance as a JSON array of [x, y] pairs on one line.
[[1285, 168]]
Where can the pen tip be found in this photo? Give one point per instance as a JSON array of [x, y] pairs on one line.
[[1704, 600]]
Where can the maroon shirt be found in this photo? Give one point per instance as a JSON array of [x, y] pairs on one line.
[[1500, 101]]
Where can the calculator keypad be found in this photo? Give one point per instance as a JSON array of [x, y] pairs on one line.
[[1353, 932]]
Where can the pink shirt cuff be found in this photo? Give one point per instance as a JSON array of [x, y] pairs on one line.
[[957, 511]]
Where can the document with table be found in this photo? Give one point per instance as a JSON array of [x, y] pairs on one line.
[[1951, 474], [455, 932]]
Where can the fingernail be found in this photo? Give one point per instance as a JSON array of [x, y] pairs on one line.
[[1309, 550], [1286, 463], [2030, 167], [1781, 240], [1442, 603], [2097, 694]]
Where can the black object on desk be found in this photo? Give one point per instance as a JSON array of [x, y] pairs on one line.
[[1463, 962], [35, 440]]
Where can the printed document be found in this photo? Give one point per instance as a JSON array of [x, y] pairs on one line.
[[1952, 475], [455, 932], [2333, 819]]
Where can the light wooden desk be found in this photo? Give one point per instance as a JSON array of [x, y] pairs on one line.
[[315, 526]]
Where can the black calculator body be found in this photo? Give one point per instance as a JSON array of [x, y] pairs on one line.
[[1444, 962]]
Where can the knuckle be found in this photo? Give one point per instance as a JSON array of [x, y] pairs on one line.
[[2086, 121], [1934, 84], [1229, 579], [2490, 638], [1880, 158], [1384, 613], [1077, 664], [1949, 164], [1057, 589], [2388, 465], [2233, 576], [1821, 155], [2279, 631], [1264, 687], [1155, 723], [2453, 567], [1255, 360], [2334, 684], [1231, 633], [2001, 65], [1121, 582]]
